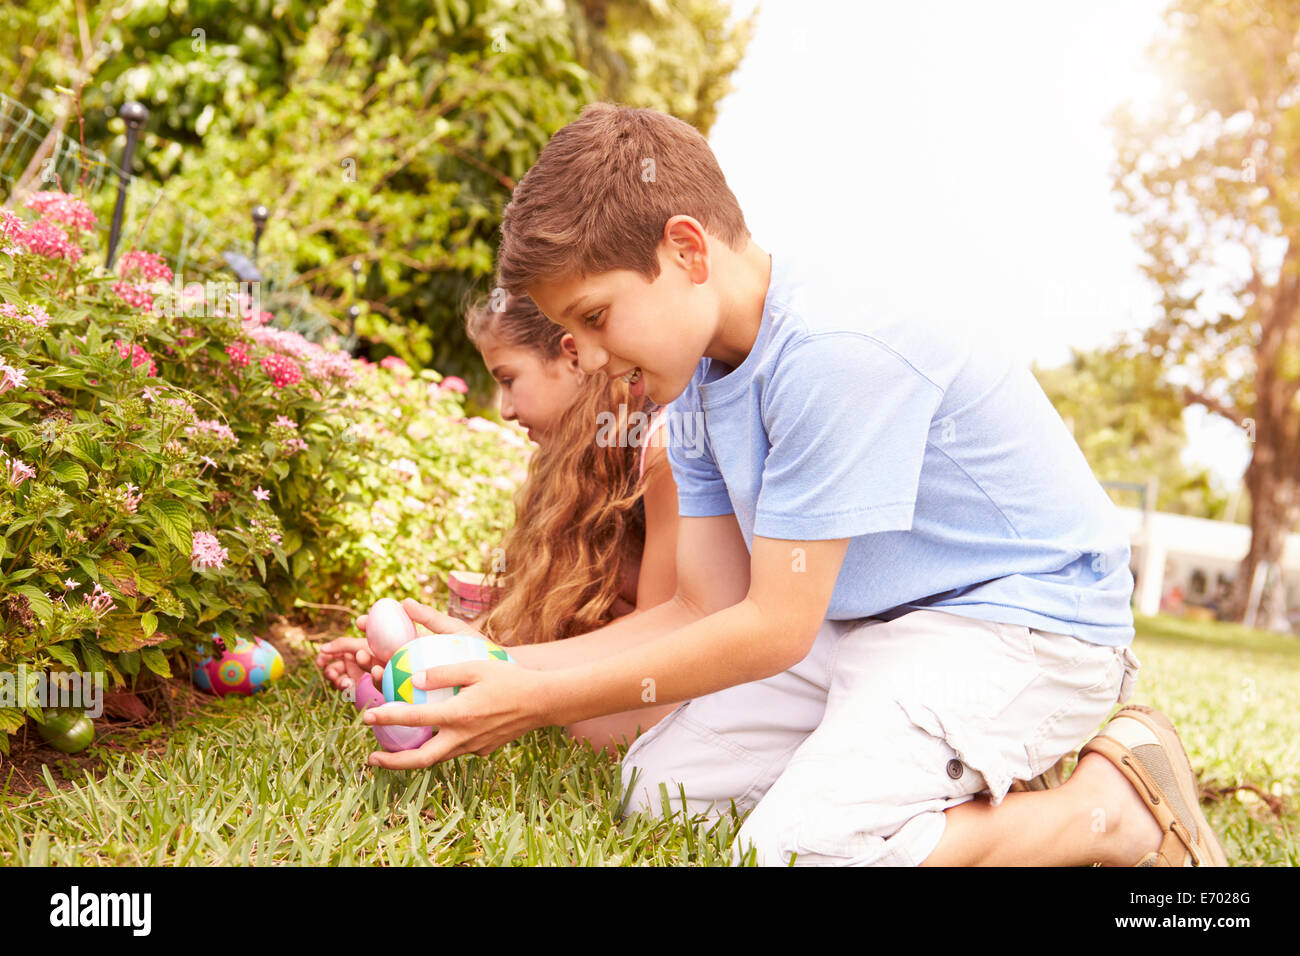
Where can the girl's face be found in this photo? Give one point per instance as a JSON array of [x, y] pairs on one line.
[[534, 392]]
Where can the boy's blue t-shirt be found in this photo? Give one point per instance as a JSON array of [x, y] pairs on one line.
[[959, 484]]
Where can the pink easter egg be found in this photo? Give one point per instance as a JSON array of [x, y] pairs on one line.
[[388, 628], [392, 737]]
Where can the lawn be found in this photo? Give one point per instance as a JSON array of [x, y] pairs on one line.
[[281, 779]]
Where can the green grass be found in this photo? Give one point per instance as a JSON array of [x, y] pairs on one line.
[[280, 779]]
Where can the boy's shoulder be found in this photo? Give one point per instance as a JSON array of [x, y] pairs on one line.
[[816, 318]]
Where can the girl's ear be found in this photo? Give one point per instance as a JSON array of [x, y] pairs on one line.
[[569, 350]]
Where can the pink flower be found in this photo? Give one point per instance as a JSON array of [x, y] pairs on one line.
[[282, 370], [70, 584], [284, 422], [139, 356], [11, 377], [238, 352], [36, 316], [453, 383], [211, 425], [477, 424], [100, 601], [137, 297], [206, 462], [261, 494], [20, 471], [11, 226], [149, 266], [406, 468], [207, 552], [395, 365], [44, 238], [62, 208]]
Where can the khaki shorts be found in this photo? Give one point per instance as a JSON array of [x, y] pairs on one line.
[[851, 756]]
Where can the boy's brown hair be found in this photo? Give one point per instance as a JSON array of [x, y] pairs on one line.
[[600, 192]]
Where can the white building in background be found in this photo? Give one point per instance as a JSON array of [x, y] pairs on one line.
[[1199, 556]]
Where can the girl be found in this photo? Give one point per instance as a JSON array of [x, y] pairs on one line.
[[595, 528]]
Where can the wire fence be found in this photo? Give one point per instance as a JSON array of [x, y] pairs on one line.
[[32, 152]]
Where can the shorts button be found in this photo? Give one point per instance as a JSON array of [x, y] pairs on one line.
[[954, 768]]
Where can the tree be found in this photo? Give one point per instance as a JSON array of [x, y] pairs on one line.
[[1210, 178], [1128, 423]]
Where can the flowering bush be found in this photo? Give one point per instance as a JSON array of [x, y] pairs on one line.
[[172, 466]]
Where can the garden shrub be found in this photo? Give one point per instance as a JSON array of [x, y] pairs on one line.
[[173, 465]]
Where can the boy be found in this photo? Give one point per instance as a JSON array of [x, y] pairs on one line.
[[899, 584]]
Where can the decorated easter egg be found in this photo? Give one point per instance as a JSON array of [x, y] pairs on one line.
[[388, 628], [434, 650], [392, 737], [67, 731], [246, 668]]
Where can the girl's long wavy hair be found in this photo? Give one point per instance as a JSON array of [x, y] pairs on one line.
[[579, 515]]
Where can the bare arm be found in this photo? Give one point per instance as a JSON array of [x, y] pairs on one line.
[[769, 630]]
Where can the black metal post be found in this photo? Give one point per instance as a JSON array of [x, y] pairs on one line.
[[134, 115], [260, 215]]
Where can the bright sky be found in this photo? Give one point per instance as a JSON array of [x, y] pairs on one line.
[[953, 156]]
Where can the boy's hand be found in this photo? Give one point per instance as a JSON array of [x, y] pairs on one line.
[[498, 701]]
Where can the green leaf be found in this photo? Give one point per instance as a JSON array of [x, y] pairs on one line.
[[130, 662], [87, 449], [261, 565], [87, 565], [61, 654], [41, 605], [149, 578], [11, 718], [70, 471], [174, 519], [92, 655], [156, 661], [149, 623]]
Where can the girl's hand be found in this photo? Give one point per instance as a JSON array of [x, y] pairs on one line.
[[498, 701], [431, 618], [435, 620], [338, 660]]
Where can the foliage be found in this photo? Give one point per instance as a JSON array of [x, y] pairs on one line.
[[384, 132], [426, 492], [174, 466]]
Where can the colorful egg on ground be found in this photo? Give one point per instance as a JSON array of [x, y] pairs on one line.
[[434, 650], [67, 731], [392, 737], [246, 668]]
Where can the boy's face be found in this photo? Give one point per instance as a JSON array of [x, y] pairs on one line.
[[621, 322]]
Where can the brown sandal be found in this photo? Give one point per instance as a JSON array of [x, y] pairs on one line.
[[1142, 743]]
